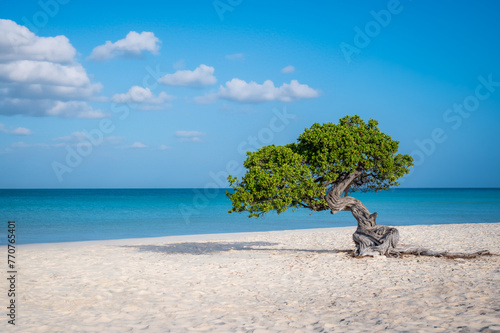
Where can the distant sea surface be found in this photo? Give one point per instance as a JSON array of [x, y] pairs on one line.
[[67, 215]]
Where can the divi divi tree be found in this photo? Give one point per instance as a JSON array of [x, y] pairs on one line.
[[320, 171]]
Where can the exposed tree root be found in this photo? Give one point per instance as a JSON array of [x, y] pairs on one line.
[[419, 251]]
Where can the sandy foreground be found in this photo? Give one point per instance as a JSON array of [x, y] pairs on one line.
[[281, 281]]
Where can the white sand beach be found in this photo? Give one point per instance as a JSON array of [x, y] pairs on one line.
[[282, 281]]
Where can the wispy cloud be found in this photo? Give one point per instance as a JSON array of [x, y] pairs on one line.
[[113, 139], [131, 46], [81, 136], [180, 64], [137, 145], [288, 69], [73, 137], [189, 136], [15, 131], [73, 140], [201, 76], [163, 147], [22, 144], [235, 56]]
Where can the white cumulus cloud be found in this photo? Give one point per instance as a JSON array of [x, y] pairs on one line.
[[131, 46], [142, 95], [17, 42], [201, 76], [44, 72], [252, 92], [46, 107], [74, 109], [39, 76]]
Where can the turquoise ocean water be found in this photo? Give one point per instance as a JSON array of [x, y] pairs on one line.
[[64, 215]]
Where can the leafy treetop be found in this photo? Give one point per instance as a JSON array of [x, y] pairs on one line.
[[302, 173]]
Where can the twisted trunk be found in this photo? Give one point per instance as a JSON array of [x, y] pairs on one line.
[[370, 238]]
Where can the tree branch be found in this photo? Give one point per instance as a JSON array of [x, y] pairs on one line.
[[301, 204], [343, 182]]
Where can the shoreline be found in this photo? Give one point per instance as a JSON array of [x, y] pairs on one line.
[[214, 236], [103, 214], [178, 238], [275, 281]]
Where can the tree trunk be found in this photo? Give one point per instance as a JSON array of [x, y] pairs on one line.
[[370, 238]]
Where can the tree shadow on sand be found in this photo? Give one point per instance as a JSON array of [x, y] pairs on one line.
[[197, 248]]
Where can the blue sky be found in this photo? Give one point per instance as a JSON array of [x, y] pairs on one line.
[[172, 93]]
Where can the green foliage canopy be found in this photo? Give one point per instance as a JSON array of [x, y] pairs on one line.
[[299, 175]]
